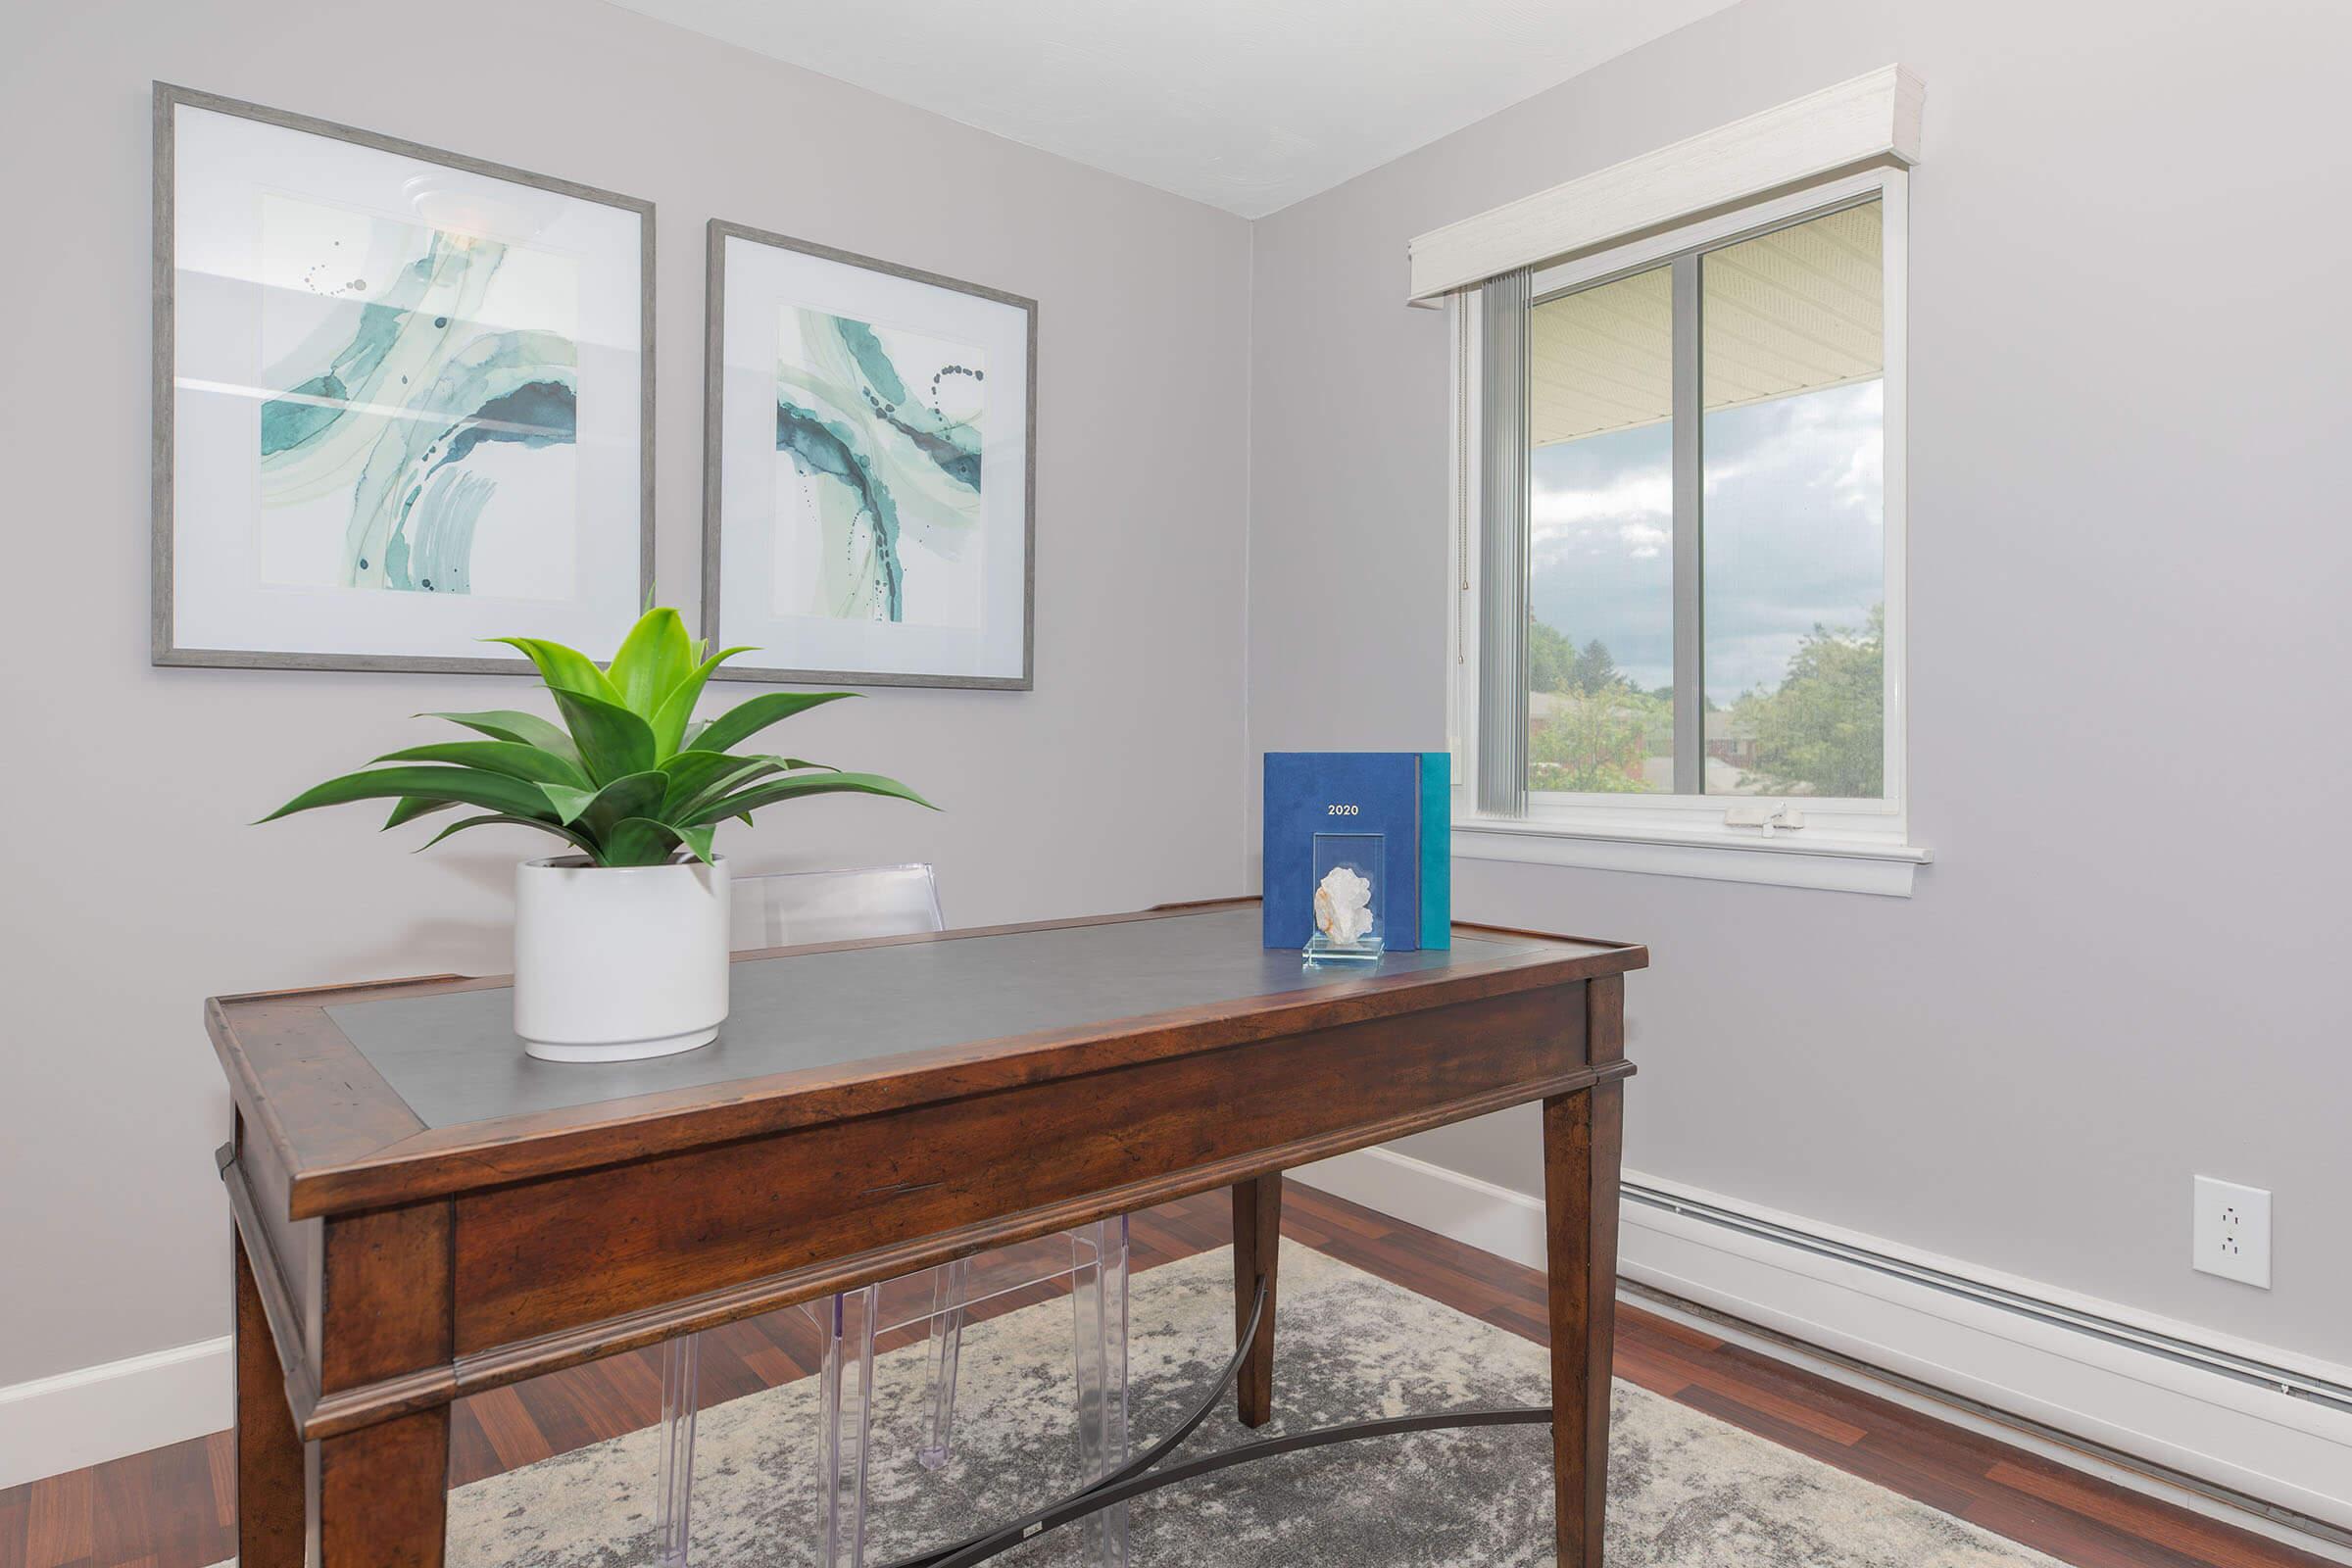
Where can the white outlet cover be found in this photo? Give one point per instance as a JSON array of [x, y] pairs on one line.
[[2232, 1235]]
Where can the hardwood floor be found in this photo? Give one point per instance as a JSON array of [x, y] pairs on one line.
[[174, 1508]]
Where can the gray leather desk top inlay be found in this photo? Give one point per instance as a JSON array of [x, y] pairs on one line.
[[455, 1059]]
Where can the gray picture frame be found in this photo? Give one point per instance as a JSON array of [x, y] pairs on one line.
[[166, 650], [718, 232]]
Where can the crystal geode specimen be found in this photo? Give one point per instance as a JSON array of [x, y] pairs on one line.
[[1343, 906]]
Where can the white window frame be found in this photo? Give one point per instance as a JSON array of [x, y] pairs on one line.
[[1858, 845]]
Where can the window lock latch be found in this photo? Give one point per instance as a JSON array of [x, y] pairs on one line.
[[1766, 814]]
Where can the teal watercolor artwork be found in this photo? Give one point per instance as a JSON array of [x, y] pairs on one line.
[[423, 407], [879, 470], [402, 398], [870, 511]]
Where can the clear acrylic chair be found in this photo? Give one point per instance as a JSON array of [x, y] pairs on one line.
[[808, 907]]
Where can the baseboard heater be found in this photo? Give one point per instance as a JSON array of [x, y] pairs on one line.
[[2204, 1358]]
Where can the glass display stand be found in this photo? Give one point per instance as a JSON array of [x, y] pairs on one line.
[[1320, 950], [1351, 889]]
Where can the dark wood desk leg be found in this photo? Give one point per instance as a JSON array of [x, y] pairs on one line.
[[380, 1496], [269, 1493], [1256, 1256], [383, 1494], [1584, 1141]]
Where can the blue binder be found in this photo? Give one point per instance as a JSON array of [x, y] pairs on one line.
[[1356, 808]]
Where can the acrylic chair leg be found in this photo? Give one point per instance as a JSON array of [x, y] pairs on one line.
[[1099, 1307], [950, 1285], [844, 1393], [673, 1481]]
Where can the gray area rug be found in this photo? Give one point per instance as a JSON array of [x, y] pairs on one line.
[[1685, 1490]]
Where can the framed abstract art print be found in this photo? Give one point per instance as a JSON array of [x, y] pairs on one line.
[[403, 399], [868, 509]]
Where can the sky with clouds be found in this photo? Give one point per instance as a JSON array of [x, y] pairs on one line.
[[1795, 535]]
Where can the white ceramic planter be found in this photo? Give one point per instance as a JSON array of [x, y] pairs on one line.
[[618, 963]]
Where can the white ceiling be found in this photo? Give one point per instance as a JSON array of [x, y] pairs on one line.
[[1249, 105]]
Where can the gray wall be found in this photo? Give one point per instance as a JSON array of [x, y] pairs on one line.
[[2129, 554], [134, 887]]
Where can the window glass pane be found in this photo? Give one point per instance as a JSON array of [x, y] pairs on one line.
[[1601, 538], [1793, 352]]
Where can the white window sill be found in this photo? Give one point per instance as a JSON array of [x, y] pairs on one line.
[[1786, 859]]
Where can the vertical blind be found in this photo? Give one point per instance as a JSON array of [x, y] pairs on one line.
[[1503, 477]]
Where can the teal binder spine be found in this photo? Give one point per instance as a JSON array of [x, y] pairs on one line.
[[1437, 849]]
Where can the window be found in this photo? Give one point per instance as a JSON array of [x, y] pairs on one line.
[[1704, 640]]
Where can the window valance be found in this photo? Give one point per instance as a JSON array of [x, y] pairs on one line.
[[1873, 118]]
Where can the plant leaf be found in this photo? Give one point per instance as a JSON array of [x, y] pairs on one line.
[[639, 841], [613, 742], [654, 658], [643, 841], [698, 773], [409, 809], [468, 786], [510, 757], [638, 795], [691, 772], [525, 729], [679, 808], [567, 802], [747, 720], [577, 840], [670, 729], [564, 670], [785, 789]]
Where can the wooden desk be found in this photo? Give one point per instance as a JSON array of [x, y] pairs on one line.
[[422, 1212]]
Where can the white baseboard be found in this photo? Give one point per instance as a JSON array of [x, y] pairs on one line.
[[2286, 1450], [96, 1413]]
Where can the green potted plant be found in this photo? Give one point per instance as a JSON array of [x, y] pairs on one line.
[[620, 945]]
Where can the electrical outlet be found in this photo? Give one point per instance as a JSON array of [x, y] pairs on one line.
[[2232, 1232]]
